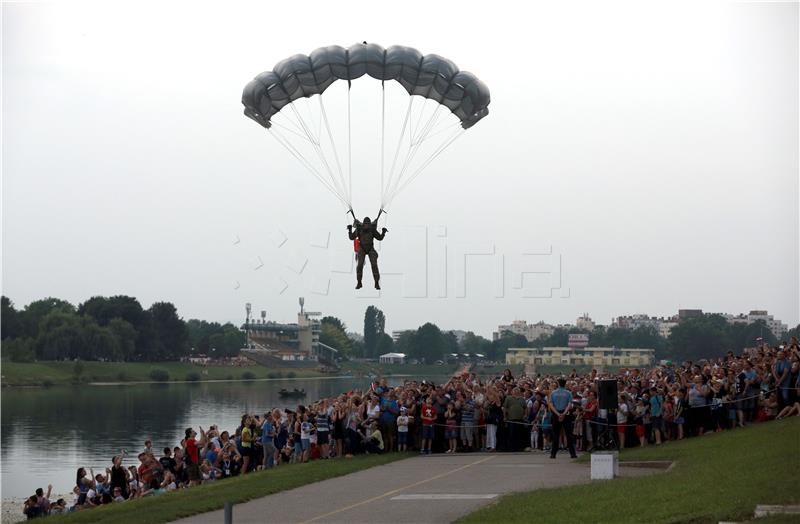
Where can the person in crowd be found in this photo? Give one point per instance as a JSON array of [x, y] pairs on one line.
[[560, 403], [402, 430], [428, 419]]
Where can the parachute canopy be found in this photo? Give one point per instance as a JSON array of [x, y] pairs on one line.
[[451, 101], [430, 76]]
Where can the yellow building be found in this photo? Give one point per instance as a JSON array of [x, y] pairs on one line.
[[560, 356]]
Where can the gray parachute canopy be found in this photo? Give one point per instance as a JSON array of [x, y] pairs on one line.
[[430, 76]]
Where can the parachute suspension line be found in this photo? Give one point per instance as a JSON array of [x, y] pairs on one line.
[[310, 115], [397, 149], [320, 153], [333, 146], [300, 158], [349, 150], [383, 134], [425, 164], [414, 148], [445, 129], [292, 131], [419, 121]]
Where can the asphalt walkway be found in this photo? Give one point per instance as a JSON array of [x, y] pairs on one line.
[[435, 489]]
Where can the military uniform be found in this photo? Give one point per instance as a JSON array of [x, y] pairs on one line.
[[366, 232]]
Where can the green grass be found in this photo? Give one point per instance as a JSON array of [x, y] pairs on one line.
[[209, 497], [61, 373], [717, 477], [417, 370]]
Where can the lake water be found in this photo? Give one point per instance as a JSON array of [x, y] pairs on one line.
[[47, 434]]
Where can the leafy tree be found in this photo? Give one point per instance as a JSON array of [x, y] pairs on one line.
[[19, 349], [233, 339], [10, 320], [169, 332], [374, 326], [475, 344], [60, 336], [450, 343], [497, 350], [407, 344], [99, 342], [34, 312], [103, 309], [333, 336], [337, 323], [701, 337], [125, 335], [429, 343], [743, 335], [385, 344]]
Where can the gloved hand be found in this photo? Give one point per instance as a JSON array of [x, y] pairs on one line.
[[349, 227], [384, 230]]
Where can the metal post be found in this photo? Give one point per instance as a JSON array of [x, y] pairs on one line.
[[228, 513]]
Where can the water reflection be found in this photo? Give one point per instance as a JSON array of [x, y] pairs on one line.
[[48, 433]]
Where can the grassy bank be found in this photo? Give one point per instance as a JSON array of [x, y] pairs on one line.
[[61, 373], [209, 497], [417, 370], [717, 477]]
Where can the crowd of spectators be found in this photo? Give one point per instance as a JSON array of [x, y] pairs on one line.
[[464, 414]]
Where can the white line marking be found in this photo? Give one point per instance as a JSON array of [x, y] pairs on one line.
[[444, 496]]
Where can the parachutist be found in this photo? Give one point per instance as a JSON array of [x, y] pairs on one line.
[[366, 232]]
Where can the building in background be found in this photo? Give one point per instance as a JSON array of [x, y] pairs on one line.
[[777, 327], [392, 358], [399, 333], [585, 322], [588, 356], [531, 332], [289, 342], [684, 314]]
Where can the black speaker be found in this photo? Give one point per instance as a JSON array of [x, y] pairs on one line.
[[607, 394]]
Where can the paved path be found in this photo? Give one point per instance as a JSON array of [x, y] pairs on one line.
[[436, 488]]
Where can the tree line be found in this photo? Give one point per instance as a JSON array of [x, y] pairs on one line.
[[708, 336], [118, 328], [113, 328]]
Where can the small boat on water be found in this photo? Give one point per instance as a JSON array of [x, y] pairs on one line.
[[292, 392]]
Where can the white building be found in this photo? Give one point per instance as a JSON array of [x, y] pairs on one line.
[[777, 327], [392, 358], [584, 322], [400, 332], [531, 332]]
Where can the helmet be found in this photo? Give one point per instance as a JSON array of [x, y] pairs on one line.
[[366, 220]]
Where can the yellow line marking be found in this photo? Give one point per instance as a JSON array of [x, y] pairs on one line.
[[392, 492]]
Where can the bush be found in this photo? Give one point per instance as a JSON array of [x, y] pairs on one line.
[[274, 374], [229, 377], [159, 375], [122, 376], [47, 383], [248, 375], [291, 374], [193, 376]]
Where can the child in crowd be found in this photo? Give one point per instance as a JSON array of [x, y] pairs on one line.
[[451, 431], [402, 430]]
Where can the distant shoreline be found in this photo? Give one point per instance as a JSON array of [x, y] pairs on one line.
[[98, 374]]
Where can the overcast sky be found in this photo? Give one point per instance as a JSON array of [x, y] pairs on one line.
[[638, 158]]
